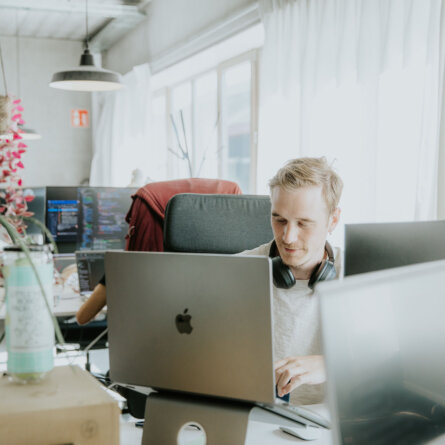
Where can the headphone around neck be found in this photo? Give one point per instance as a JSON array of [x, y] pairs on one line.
[[283, 277]]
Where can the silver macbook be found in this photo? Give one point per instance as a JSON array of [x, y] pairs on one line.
[[384, 344], [191, 322]]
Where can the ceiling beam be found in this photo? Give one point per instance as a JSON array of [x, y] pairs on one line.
[[122, 18], [114, 31], [61, 6]]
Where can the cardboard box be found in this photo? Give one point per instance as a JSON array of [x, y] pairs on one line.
[[68, 407]]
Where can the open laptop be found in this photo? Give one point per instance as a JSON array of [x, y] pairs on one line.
[[90, 269], [193, 323], [384, 345]]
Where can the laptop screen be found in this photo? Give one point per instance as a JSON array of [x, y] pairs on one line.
[[384, 343], [90, 269]]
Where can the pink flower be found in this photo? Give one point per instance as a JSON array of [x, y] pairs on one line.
[[15, 204]]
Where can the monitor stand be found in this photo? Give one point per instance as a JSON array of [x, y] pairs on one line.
[[224, 422]]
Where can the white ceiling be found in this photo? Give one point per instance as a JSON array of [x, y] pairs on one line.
[[108, 20]]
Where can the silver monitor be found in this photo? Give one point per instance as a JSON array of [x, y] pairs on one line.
[[371, 247], [384, 344], [195, 323]]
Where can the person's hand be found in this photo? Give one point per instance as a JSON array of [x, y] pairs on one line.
[[292, 372]]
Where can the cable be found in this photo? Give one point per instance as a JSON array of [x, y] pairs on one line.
[[3, 71]]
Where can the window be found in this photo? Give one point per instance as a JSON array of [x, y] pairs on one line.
[[236, 124], [158, 153], [205, 125]]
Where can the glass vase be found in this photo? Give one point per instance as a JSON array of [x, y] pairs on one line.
[[29, 325]]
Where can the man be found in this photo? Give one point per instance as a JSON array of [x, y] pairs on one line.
[[304, 195]]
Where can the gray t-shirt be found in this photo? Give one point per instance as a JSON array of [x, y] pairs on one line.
[[296, 326]]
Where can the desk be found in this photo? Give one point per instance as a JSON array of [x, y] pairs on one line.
[[263, 429]]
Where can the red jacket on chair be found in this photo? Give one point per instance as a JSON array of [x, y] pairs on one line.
[[146, 214]]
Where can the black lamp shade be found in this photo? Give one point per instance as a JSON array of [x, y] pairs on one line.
[[87, 77]]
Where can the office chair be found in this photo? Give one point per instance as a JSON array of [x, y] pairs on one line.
[[224, 224]]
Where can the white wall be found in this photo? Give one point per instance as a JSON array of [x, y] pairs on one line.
[[63, 155], [169, 23]]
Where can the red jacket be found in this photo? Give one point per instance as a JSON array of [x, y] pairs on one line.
[[146, 214]]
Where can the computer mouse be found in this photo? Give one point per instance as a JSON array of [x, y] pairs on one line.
[[304, 432]]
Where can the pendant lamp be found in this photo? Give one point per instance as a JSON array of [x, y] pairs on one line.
[[87, 76]]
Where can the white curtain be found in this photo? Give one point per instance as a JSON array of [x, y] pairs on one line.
[[360, 82], [121, 132]]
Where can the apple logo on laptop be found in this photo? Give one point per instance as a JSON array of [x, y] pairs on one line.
[[183, 324]]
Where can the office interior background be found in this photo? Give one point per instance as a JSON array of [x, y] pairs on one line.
[[233, 89], [254, 82]]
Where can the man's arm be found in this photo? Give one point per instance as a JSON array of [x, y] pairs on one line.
[[93, 305], [292, 372]]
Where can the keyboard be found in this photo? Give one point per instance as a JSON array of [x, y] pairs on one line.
[[298, 414]]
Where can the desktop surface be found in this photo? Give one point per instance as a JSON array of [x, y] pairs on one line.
[[263, 429], [384, 343]]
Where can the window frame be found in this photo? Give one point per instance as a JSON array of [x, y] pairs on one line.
[[251, 56]]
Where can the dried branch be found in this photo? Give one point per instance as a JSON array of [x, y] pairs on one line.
[[204, 155], [179, 156], [186, 145], [177, 135]]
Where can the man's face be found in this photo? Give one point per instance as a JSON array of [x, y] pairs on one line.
[[300, 223]]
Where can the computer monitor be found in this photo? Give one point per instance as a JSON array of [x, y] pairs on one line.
[[36, 206], [90, 269], [62, 209], [102, 212], [384, 346], [371, 247]]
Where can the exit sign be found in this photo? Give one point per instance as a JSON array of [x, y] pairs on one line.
[[80, 118]]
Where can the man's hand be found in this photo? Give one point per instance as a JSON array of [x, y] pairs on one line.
[[292, 372]]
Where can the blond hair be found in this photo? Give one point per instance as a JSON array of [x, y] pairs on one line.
[[306, 172]]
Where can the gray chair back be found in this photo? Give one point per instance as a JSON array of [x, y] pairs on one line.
[[216, 223]]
